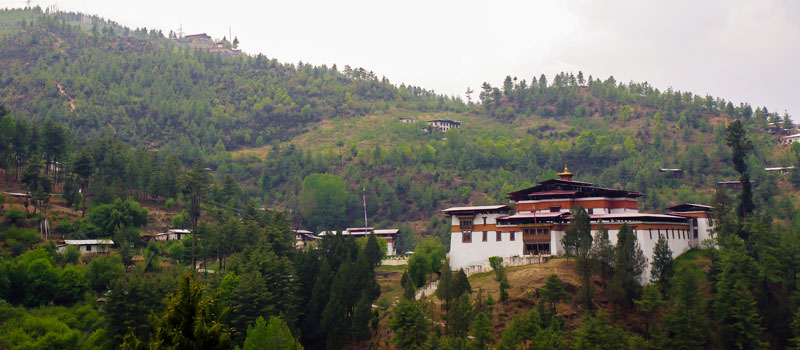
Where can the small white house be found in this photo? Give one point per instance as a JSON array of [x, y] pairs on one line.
[[172, 235], [87, 246], [791, 139], [444, 124]]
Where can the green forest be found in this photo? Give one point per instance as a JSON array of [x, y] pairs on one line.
[[108, 132]]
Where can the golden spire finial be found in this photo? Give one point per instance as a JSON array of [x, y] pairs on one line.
[[566, 175]]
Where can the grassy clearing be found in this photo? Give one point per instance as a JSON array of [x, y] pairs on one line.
[[697, 260]]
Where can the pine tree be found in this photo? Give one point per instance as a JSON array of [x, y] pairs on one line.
[[409, 324], [650, 303], [553, 291], [744, 330], [373, 251], [273, 336], [629, 264], [795, 327], [409, 292], [685, 325], [191, 321], [662, 269], [481, 332], [603, 254], [736, 139]]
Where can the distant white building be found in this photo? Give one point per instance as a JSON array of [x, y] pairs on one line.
[[407, 120], [444, 124], [790, 139], [172, 235], [87, 246], [542, 215], [302, 237]]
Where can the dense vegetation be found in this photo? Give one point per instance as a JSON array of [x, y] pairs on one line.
[[114, 132]]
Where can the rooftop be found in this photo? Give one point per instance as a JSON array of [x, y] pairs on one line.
[[87, 241], [455, 210]]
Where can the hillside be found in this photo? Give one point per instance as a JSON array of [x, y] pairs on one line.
[[270, 124]]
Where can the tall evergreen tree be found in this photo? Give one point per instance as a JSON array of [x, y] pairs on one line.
[[685, 325], [662, 268], [736, 138], [629, 264], [744, 330]]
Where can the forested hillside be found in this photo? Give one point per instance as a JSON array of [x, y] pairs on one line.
[[284, 122], [113, 133]]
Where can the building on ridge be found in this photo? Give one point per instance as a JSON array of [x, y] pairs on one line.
[[543, 213]]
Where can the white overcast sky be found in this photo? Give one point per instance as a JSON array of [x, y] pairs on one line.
[[740, 50]]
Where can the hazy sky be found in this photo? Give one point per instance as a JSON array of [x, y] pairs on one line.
[[740, 50]]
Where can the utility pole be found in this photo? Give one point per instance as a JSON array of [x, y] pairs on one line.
[[364, 199]]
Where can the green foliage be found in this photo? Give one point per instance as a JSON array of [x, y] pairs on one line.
[[189, 321], [103, 270], [736, 138], [272, 336], [650, 303], [685, 323], [481, 332], [373, 251], [13, 215], [662, 266], [597, 333], [629, 264], [19, 239], [538, 328], [427, 259], [72, 254], [323, 200], [553, 291], [120, 214], [72, 285], [409, 324]]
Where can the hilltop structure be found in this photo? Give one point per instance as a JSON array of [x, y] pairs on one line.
[[543, 213]]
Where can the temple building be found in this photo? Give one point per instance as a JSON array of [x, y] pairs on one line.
[[542, 214]]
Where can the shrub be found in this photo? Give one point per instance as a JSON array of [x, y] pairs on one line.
[[14, 215]]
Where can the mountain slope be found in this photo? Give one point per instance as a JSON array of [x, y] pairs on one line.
[[283, 122]]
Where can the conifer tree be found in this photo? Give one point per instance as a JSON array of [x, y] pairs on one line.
[[662, 269], [629, 264], [744, 330], [736, 139], [795, 327], [409, 324], [373, 251], [409, 292], [685, 325], [273, 336], [553, 291], [481, 332], [603, 253], [650, 303]]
